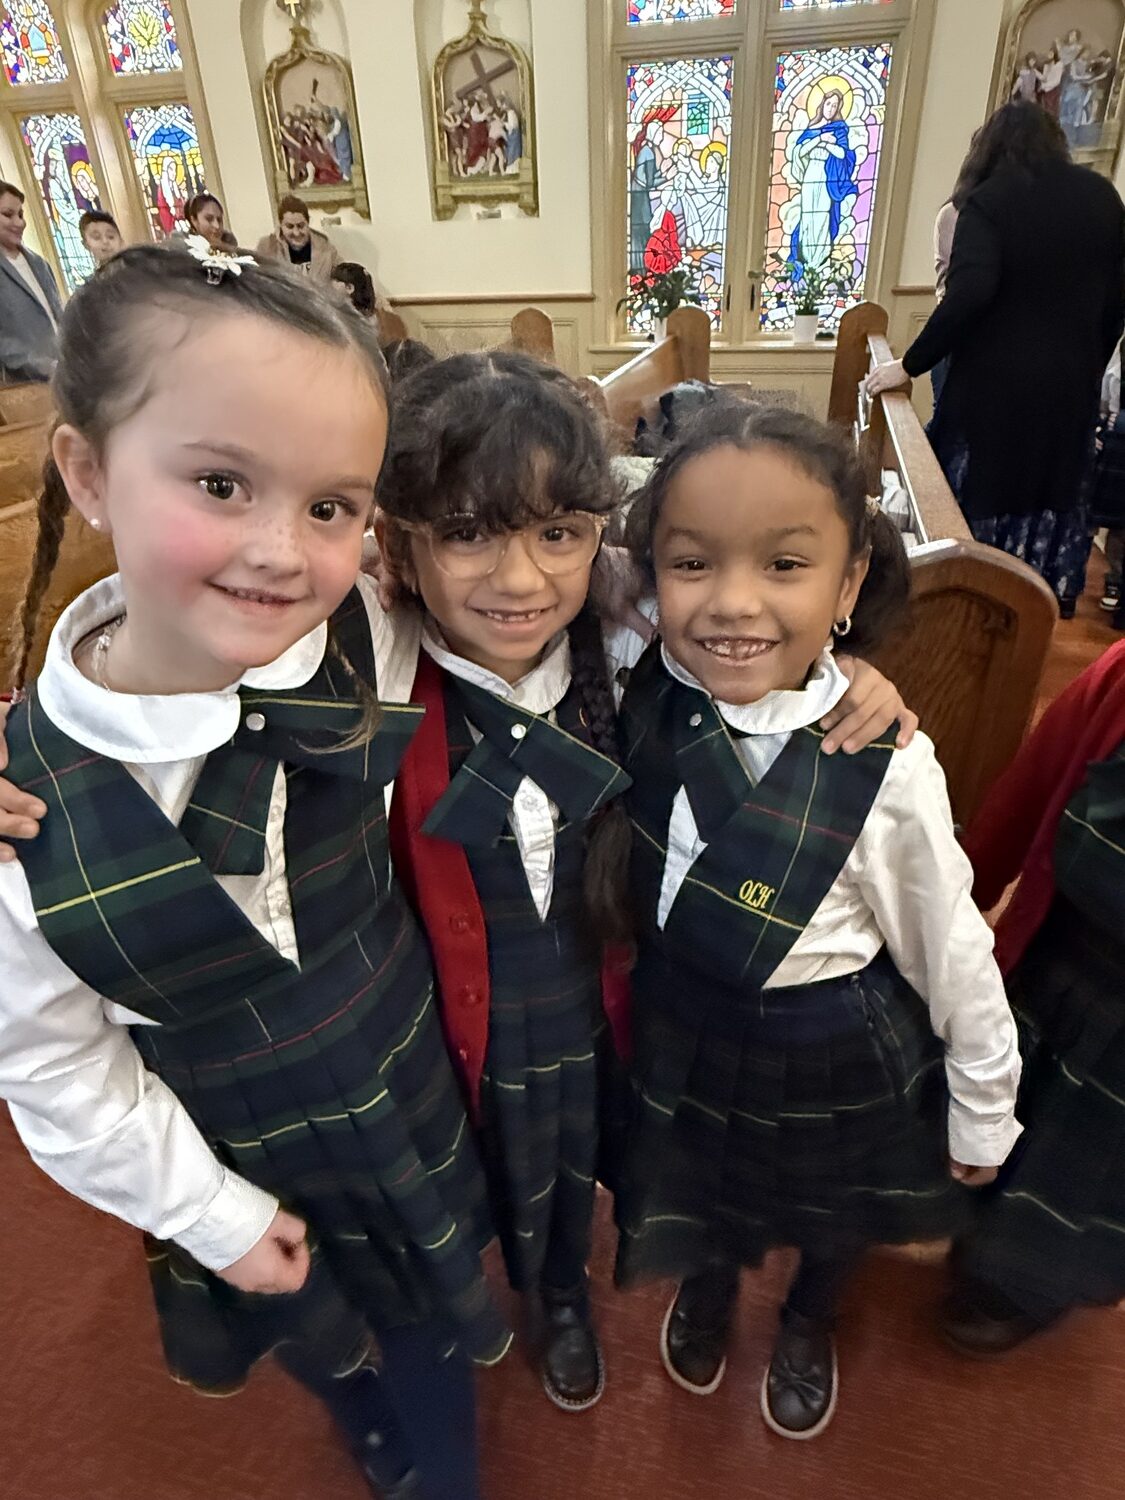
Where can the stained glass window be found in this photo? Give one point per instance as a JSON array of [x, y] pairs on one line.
[[29, 42], [828, 115], [642, 11], [169, 164], [827, 4], [60, 160], [140, 37], [678, 175]]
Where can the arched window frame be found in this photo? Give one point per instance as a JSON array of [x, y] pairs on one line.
[[99, 98], [754, 37]]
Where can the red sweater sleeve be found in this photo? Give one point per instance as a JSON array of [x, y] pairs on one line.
[[1078, 727]]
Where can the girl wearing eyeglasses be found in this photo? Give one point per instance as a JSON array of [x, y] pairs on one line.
[[507, 826]]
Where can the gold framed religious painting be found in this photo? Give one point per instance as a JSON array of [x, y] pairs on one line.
[[483, 122], [310, 109], [1067, 56]]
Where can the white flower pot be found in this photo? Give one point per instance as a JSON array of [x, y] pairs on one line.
[[660, 329], [805, 328]]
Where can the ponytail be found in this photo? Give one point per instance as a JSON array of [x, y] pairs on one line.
[[54, 502], [885, 594], [606, 876]]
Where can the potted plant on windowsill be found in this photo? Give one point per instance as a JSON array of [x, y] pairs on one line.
[[812, 294], [659, 293], [809, 293]]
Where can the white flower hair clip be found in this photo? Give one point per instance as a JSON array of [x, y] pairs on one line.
[[216, 264]]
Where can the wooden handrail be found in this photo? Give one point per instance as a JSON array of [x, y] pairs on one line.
[[931, 500]]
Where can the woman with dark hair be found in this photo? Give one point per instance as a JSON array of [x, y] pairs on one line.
[[1034, 305], [205, 217]]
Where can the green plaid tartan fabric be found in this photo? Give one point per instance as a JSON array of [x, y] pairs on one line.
[[546, 1072], [327, 1084], [812, 1114], [773, 850], [1090, 846], [515, 743]]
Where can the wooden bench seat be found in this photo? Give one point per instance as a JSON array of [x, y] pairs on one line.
[[23, 448], [84, 557], [26, 402]]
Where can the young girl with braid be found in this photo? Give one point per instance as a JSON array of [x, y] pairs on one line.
[[217, 1018]]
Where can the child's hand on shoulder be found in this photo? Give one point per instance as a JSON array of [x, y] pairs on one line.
[[866, 711], [278, 1263], [972, 1177], [19, 812]]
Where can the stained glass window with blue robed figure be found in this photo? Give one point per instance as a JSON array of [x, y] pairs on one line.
[[68, 185], [828, 119], [169, 163], [679, 127], [29, 43]]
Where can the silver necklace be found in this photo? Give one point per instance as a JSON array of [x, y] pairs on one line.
[[100, 653]]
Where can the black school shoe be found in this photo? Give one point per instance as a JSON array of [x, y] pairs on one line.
[[571, 1364], [800, 1387], [985, 1325], [694, 1349]]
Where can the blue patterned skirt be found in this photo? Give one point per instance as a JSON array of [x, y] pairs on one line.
[[1056, 544]]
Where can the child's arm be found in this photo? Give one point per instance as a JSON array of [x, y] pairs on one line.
[[112, 1133], [917, 883], [866, 711], [19, 812]]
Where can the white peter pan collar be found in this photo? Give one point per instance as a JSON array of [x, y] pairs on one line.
[[781, 712], [542, 690], [151, 729]]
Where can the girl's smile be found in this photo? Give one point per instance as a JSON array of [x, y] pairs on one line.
[[753, 567]]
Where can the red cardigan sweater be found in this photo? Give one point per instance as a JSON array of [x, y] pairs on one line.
[[1014, 832], [437, 878]]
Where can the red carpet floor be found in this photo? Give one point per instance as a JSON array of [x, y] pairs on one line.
[[86, 1412]]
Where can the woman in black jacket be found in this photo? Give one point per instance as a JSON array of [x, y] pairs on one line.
[[1034, 306]]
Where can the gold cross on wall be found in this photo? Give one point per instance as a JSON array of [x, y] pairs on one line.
[[292, 8]]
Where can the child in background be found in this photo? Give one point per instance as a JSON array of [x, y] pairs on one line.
[[823, 1050], [216, 1011], [100, 235], [1052, 1238]]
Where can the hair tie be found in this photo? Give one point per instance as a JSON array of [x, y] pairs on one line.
[[216, 265]]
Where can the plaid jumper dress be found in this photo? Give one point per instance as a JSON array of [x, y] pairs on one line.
[[812, 1115], [547, 1072], [326, 1084], [1052, 1236]]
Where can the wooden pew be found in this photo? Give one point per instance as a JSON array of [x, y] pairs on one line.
[[392, 328], [23, 447], [84, 557], [533, 333], [684, 354], [971, 657], [26, 402]]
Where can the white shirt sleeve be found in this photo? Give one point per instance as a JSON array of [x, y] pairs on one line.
[[918, 883], [91, 1114]]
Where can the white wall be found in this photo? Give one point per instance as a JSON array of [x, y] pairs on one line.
[[958, 83], [412, 254]]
